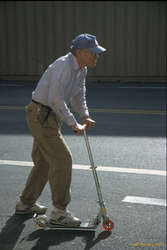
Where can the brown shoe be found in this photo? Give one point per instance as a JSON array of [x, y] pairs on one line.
[[26, 209], [63, 218]]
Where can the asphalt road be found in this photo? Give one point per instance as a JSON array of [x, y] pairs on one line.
[[129, 146]]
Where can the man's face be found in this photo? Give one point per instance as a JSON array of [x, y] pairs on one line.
[[87, 58]]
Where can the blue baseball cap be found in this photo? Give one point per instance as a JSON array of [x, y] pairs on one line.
[[87, 41]]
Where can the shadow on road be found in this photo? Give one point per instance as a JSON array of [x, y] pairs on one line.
[[44, 239], [105, 96], [48, 238], [12, 231], [14, 123], [102, 236]]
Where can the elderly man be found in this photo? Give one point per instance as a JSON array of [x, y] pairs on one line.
[[62, 83]]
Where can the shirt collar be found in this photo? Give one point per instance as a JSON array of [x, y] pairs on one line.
[[75, 63]]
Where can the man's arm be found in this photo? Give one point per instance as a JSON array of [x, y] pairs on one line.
[[79, 105], [58, 81], [59, 78]]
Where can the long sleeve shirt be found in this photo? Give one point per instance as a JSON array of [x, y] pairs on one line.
[[63, 83]]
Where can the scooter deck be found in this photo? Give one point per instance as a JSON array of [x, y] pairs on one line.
[[43, 222], [84, 226]]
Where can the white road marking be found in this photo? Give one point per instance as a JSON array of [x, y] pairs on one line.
[[17, 163], [129, 111], [130, 199], [11, 85], [145, 200], [104, 110], [123, 170], [99, 168], [142, 87]]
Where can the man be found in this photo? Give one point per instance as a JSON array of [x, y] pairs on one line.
[[63, 83]]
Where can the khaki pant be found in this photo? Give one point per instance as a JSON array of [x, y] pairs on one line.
[[51, 156]]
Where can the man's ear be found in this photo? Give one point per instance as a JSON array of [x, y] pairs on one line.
[[78, 52]]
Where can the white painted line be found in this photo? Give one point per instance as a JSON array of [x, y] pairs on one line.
[[123, 170], [101, 110], [142, 87], [11, 85], [12, 107], [129, 111], [17, 163], [145, 200], [99, 168]]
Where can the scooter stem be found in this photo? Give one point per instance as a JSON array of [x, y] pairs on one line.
[[94, 172]]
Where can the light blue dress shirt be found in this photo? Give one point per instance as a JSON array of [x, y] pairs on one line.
[[63, 83]]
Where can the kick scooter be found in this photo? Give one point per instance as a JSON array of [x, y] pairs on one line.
[[108, 225]]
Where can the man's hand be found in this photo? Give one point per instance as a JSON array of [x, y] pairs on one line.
[[78, 128], [89, 122]]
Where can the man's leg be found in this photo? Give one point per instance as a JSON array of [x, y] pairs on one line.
[[37, 179], [60, 173], [54, 159], [52, 150]]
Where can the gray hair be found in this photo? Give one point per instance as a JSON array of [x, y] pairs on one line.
[[73, 50]]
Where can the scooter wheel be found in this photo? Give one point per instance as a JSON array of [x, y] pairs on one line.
[[109, 226], [41, 221]]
